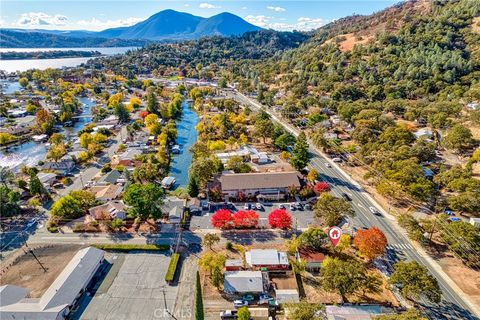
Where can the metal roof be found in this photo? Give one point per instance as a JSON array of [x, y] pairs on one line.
[[61, 293], [243, 281], [266, 257]]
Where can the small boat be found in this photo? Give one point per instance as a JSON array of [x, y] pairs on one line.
[[168, 182], [40, 137]]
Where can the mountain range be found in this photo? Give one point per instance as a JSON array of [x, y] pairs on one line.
[[166, 25]]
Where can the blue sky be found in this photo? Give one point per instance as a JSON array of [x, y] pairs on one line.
[[102, 14]]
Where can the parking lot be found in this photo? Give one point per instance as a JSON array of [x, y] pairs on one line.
[[301, 218], [134, 288]]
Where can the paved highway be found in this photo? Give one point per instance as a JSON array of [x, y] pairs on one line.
[[454, 304]]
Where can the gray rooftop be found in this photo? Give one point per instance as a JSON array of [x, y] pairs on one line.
[[243, 281], [266, 257], [61, 293], [266, 180]]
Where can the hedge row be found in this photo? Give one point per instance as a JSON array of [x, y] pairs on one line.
[[199, 313], [131, 247], [172, 267]]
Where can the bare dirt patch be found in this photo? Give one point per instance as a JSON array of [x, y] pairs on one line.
[[476, 25], [467, 279], [349, 40], [26, 272]]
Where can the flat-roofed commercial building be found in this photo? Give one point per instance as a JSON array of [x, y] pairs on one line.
[[267, 185], [60, 297]]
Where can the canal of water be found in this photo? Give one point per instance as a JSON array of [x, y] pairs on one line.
[[186, 137], [30, 152]]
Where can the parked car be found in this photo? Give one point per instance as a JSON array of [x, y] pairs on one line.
[[248, 297], [264, 299], [336, 159], [281, 206], [228, 314], [375, 211], [308, 206], [240, 303], [346, 196], [246, 206], [292, 207], [258, 206], [298, 205], [328, 165]]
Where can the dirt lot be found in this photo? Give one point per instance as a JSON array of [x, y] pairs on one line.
[[315, 294], [25, 271], [467, 279]]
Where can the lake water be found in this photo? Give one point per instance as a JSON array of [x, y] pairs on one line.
[[30, 153], [42, 64], [187, 136]]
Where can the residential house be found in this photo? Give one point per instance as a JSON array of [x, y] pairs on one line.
[[269, 259], [473, 106], [115, 209], [17, 130], [285, 287], [330, 135], [175, 208], [267, 185], [106, 192], [475, 222], [112, 177], [62, 295], [243, 282], [260, 158], [313, 259], [423, 133], [47, 178], [233, 265], [63, 166]]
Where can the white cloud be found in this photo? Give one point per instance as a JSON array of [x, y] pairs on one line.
[[306, 24], [35, 19], [205, 5], [276, 9], [96, 24], [260, 20], [302, 23], [244, 8], [186, 5]]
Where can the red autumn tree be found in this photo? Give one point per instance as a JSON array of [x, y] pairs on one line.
[[245, 219], [280, 218], [321, 187], [371, 242], [143, 114], [222, 219]]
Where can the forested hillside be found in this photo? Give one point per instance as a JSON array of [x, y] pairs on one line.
[[183, 57]]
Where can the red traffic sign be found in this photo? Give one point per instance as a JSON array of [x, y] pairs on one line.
[[334, 233]]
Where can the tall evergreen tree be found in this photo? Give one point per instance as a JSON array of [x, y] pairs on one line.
[[300, 152]]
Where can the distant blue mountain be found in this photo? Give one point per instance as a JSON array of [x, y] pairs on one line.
[[173, 25], [163, 26]]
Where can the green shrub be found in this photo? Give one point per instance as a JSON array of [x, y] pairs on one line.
[[199, 313], [229, 245], [78, 227], [131, 247], [172, 267], [52, 229]]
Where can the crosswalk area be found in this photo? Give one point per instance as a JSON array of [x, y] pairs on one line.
[[400, 246]]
